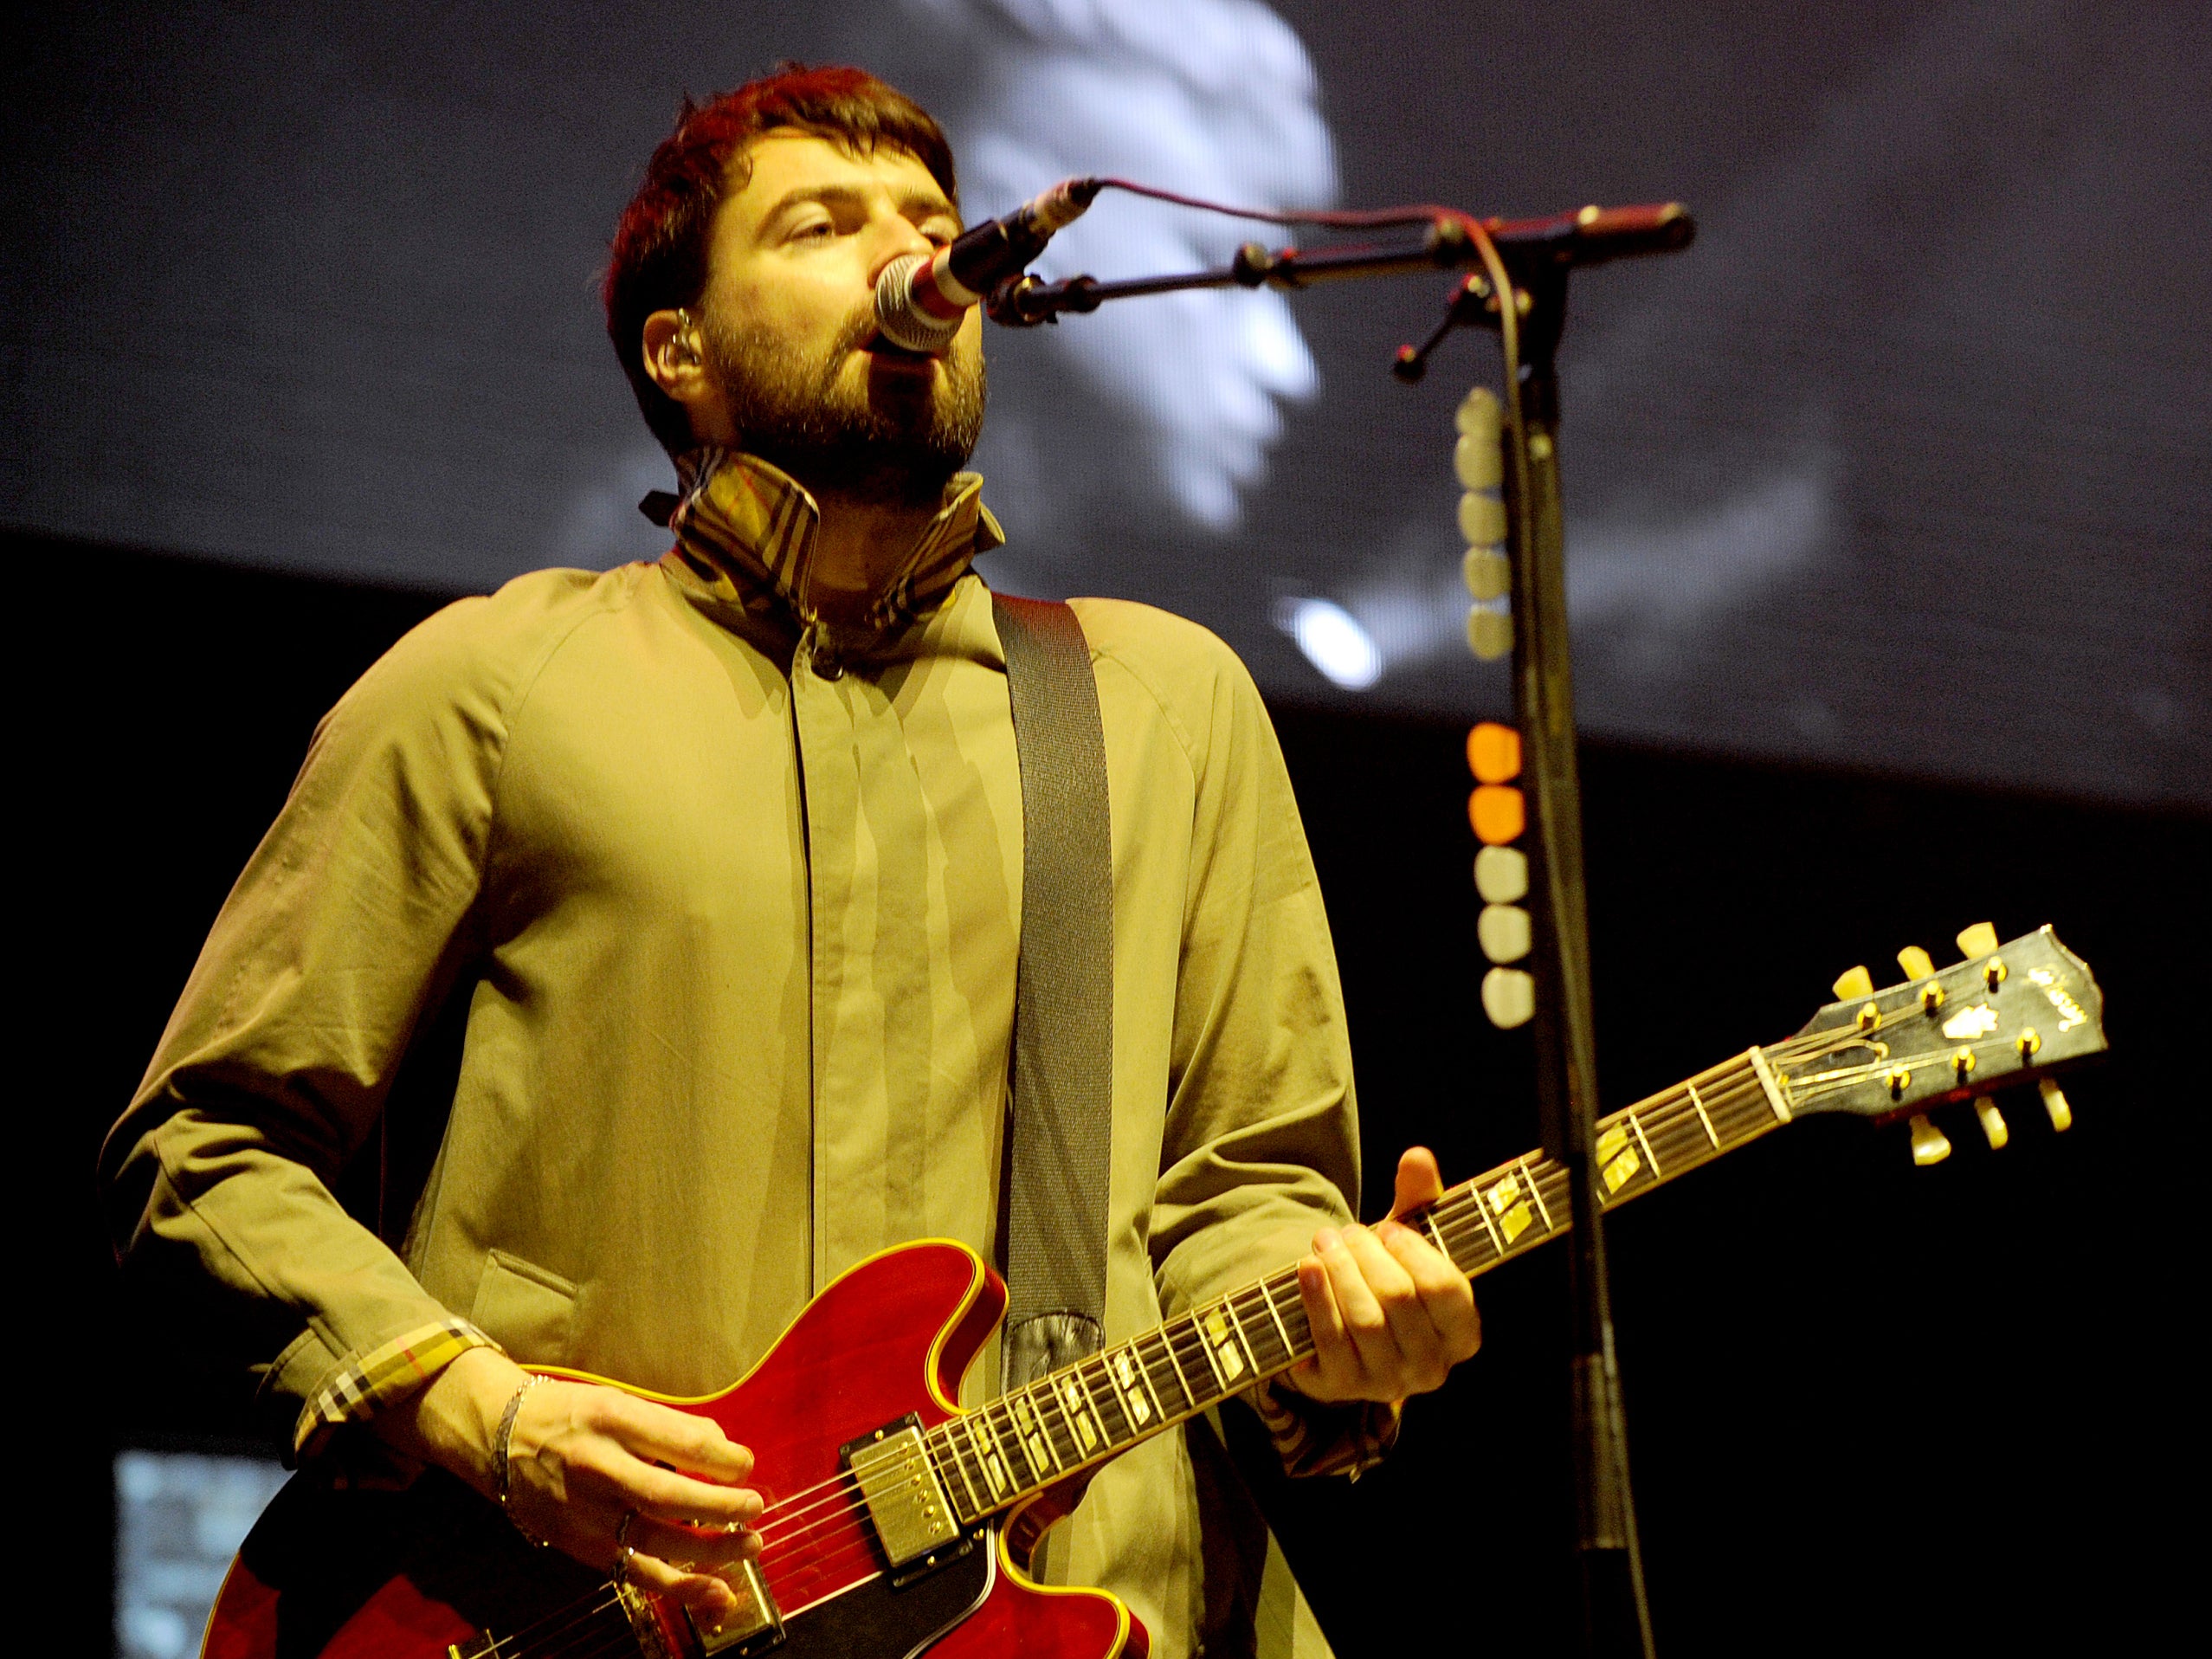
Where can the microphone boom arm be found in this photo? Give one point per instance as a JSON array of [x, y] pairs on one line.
[[1591, 237]]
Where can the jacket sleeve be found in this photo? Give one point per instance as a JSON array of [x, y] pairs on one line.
[[218, 1181], [1262, 1134]]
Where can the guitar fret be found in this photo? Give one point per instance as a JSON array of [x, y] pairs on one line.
[[1250, 1354], [951, 1451], [1749, 1112], [1068, 1452], [1290, 1348], [1220, 1385], [998, 1418], [1083, 1413], [1151, 1374], [1536, 1191], [1704, 1118], [997, 1474], [1644, 1141], [1167, 1342], [1466, 1256], [1029, 1435], [1128, 1430], [999, 1467], [1175, 1374], [1483, 1210], [1125, 1368]]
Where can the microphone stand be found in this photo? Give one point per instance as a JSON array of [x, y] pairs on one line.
[[1536, 255]]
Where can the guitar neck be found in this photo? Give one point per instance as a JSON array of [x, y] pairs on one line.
[[1032, 1437]]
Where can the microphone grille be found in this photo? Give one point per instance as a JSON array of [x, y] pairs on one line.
[[901, 316]]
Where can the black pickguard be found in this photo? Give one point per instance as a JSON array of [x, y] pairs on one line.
[[877, 1620]]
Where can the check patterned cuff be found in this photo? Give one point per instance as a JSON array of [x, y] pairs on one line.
[[1313, 1438], [367, 1383]]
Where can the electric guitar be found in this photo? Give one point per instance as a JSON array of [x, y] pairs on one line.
[[896, 1522]]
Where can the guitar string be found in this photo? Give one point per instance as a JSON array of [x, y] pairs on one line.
[[1661, 1116], [1664, 1119], [573, 1621], [1657, 1118], [1250, 1300]]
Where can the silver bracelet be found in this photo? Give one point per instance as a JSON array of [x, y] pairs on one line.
[[500, 1450]]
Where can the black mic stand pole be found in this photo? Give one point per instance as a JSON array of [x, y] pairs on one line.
[[1616, 1617], [1535, 257]]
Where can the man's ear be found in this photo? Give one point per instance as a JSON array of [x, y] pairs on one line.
[[676, 359], [673, 357]]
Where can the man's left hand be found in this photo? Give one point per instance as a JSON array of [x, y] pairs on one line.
[[1390, 1316]]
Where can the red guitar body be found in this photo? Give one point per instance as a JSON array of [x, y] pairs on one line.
[[432, 1571]]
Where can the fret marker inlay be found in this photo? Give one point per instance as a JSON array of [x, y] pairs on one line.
[[1617, 1159]]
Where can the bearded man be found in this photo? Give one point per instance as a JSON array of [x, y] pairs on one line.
[[677, 907]]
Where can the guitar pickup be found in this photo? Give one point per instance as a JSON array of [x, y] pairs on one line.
[[754, 1627], [899, 1488]]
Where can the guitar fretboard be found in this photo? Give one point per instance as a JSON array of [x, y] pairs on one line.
[[1033, 1437]]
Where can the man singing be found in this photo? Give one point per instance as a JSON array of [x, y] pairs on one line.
[[677, 907]]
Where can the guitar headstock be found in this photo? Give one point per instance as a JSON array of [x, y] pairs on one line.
[[2007, 1014]]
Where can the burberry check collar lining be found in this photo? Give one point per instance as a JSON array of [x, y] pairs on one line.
[[749, 530]]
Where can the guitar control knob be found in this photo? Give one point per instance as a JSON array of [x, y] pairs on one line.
[[2054, 1103], [1993, 1124], [1930, 1143]]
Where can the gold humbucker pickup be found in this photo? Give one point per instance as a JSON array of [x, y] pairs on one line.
[[899, 1490], [755, 1626]]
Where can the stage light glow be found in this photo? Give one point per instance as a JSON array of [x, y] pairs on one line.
[[1334, 642], [1214, 97]]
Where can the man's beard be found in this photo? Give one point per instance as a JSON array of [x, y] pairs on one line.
[[894, 441]]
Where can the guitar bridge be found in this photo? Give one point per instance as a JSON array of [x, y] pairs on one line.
[[899, 1488]]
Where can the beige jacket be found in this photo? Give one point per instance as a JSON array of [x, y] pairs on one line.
[[711, 955]]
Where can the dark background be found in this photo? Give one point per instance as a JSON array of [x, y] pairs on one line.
[[1889, 556], [1923, 1410], [1901, 466]]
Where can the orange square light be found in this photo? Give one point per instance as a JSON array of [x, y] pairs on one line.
[[1493, 753], [1497, 813]]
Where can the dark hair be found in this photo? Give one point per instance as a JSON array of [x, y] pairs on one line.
[[660, 254]]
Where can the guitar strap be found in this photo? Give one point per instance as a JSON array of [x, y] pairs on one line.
[[1060, 1134]]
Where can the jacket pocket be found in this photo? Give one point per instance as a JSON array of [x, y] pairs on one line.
[[526, 1310]]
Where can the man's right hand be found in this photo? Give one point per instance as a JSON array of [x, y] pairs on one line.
[[581, 1458]]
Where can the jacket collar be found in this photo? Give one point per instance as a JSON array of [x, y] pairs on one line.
[[748, 529]]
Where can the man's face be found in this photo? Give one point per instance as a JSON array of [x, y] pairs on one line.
[[789, 331]]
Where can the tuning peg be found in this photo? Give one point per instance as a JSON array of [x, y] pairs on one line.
[[1977, 941], [1854, 984], [2054, 1103], [1993, 1124], [1930, 1143], [1918, 965]]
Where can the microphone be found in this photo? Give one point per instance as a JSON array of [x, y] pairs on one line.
[[920, 297]]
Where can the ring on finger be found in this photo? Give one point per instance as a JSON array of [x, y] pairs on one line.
[[623, 1545]]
